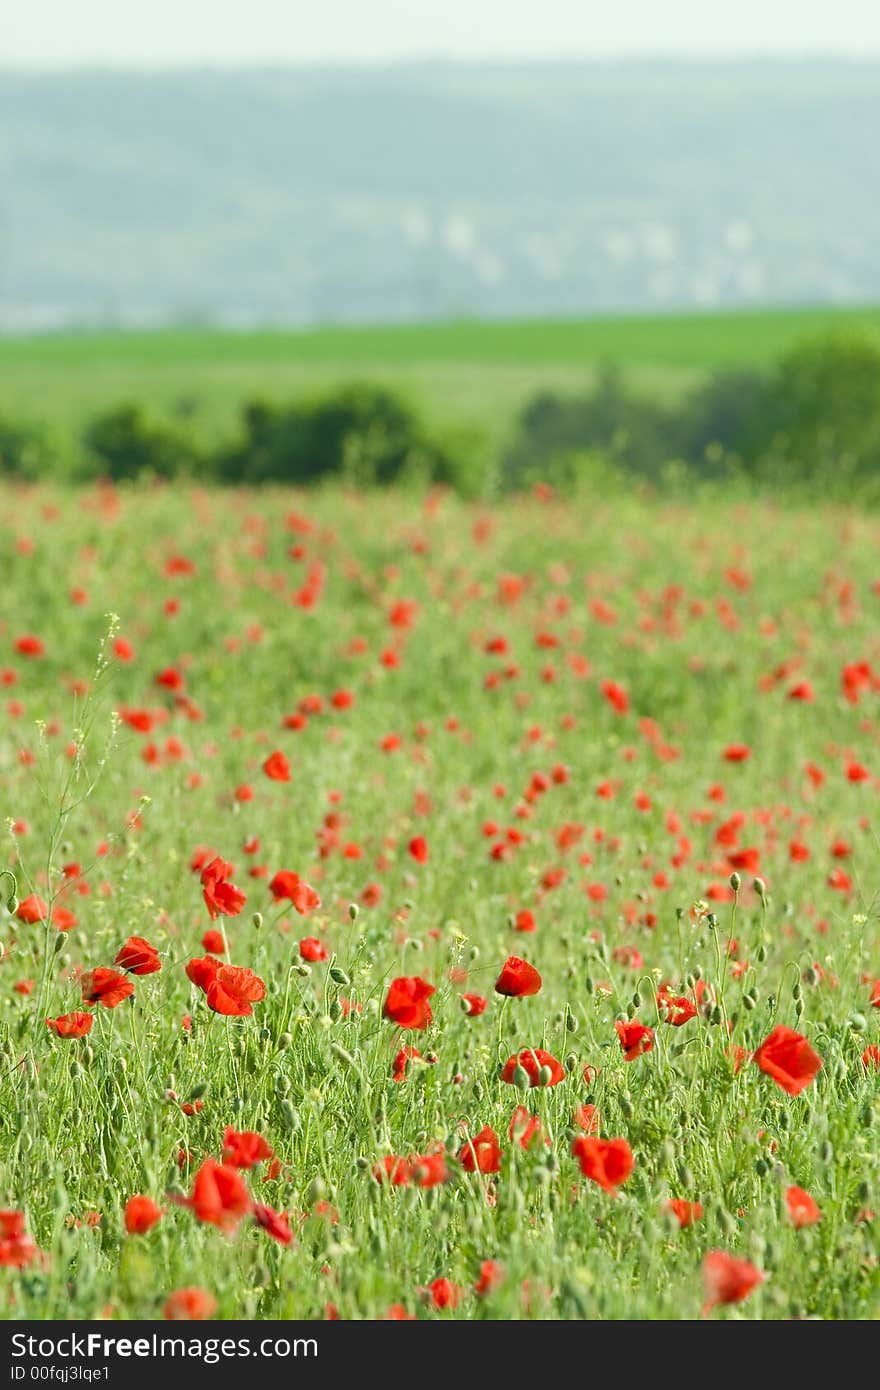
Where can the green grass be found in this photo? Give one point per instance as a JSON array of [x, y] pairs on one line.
[[473, 374], [707, 615]]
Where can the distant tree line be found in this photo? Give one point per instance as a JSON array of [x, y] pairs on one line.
[[812, 421]]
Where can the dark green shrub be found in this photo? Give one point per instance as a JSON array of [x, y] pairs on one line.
[[362, 434], [124, 444], [24, 451]]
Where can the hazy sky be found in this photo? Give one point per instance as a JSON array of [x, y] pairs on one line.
[[249, 31]]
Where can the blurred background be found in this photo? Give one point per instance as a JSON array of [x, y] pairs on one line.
[[475, 207]]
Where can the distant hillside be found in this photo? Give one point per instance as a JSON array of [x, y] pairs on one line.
[[427, 191]]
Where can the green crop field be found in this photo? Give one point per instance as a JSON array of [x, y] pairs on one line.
[[420, 909], [472, 374]]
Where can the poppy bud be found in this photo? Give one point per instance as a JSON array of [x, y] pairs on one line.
[[686, 1177], [545, 1075], [798, 1007], [735, 881], [520, 1077], [637, 1000], [863, 1191], [689, 980], [716, 1015], [571, 1023], [588, 985], [726, 1221], [796, 990], [783, 1119], [761, 1167], [858, 1023], [284, 1042], [627, 1109], [571, 1062], [257, 920], [289, 1115], [750, 1002], [760, 888], [12, 903], [59, 944], [302, 969], [361, 1163], [826, 1151], [761, 953], [353, 911], [316, 1191], [88, 1055], [198, 1090], [236, 1105], [631, 1010], [698, 972], [338, 975], [335, 1011], [679, 914], [479, 1089]]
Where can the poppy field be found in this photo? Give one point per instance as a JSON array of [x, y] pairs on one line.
[[416, 909]]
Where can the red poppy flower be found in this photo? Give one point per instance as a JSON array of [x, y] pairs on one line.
[[491, 1275], [75, 1025], [32, 909], [105, 986], [234, 990], [274, 1223], [737, 753], [138, 957], [429, 1170], [17, 1248], [871, 1057], [244, 1148], [727, 1279], [635, 1038], [586, 1118], [219, 1196], [141, 1215], [397, 1313], [607, 1162], [406, 1002], [222, 898], [310, 948], [474, 1004], [392, 1169], [685, 1213], [289, 885], [518, 979], [276, 767], [802, 1209], [401, 1062], [533, 1061], [63, 918], [202, 971], [676, 1009], [482, 1153], [213, 941], [445, 1294], [789, 1059], [524, 1127], [616, 696], [189, 1305], [418, 848]]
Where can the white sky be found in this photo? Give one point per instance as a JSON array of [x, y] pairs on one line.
[[154, 32]]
